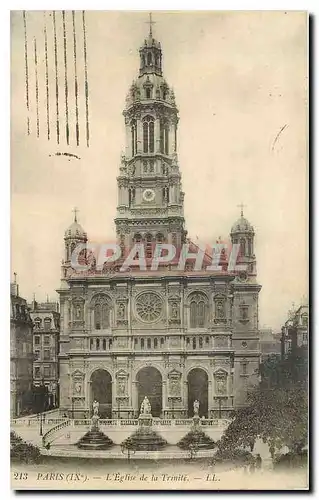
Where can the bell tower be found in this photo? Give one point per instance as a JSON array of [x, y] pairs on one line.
[[150, 197]]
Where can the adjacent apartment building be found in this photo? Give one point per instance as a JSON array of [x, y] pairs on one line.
[[46, 321], [21, 354]]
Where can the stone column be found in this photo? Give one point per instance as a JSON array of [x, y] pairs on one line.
[[135, 396], [164, 397], [157, 136], [171, 139], [128, 141], [139, 134], [210, 397], [185, 395]]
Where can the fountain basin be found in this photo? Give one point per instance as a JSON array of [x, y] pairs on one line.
[[95, 440]]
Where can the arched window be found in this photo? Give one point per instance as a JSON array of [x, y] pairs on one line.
[[91, 344], [101, 311], [149, 59], [162, 342], [198, 310], [37, 323], [194, 343], [148, 93], [155, 343], [131, 196], [151, 166], [142, 343], [149, 246], [165, 194], [207, 340], [249, 247], [137, 238], [164, 133], [242, 247], [110, 343], [134, 138], [135, 342], [200, 342], [148, 134], [145, 137], [188, 341], [47, 323], [149, 345], [145, 167], [97, 344], [104, 344]]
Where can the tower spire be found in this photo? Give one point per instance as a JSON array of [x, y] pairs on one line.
[[150, 22], [75, 210], [241, 206]]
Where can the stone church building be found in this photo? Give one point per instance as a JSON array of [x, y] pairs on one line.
[[172, 334]]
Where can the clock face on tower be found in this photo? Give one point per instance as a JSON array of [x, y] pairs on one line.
[[148, 195]]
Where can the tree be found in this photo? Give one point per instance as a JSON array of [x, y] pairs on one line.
[[277, 410]]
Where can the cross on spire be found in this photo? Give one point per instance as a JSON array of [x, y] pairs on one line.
[[150, 22], [241, 206], [75, 210]]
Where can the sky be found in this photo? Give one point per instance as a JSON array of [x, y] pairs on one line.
[[240, 81]]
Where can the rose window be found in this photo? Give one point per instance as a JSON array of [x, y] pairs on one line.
[[148, 307]]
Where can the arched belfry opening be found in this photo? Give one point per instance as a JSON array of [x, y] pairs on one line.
[[149, 383], [198, 390], [101, 391]]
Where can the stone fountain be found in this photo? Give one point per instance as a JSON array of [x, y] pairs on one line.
[[144, 438], [196, 438], [95, 439]]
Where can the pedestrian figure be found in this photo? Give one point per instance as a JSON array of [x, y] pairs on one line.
[[258, 461], [252, 466]]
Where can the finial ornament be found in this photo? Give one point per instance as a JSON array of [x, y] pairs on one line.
[[150, 22], [75, 210], [241, 206]]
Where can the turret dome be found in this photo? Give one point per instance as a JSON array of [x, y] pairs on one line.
[[75, 230]]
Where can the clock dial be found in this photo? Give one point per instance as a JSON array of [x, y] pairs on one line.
[[148, 195]]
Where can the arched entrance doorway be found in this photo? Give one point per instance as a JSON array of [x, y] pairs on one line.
[[101, 390], [198, 389], [149, 383]]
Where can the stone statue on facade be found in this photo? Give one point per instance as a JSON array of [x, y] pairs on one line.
[[196, 408], [96, 405], [95, 417], [146, 408]]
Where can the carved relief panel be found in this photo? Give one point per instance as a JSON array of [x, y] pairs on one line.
[[174, 384], [78, 383], [174, 308], [220, 315], [220, 378], [121, 310], [220, 341], [122, 387]]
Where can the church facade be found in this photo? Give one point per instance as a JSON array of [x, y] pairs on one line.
[[173, 333]]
